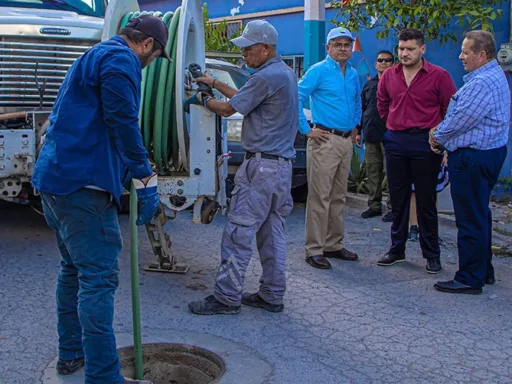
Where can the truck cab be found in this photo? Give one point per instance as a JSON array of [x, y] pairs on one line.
[[39, 41]]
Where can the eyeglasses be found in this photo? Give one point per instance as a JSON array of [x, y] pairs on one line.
[[344, 46], [384, 60]]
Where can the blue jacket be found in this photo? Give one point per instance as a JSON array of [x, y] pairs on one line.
[[94, 135]]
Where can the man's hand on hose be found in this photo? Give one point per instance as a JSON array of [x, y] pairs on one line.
[[318, 134], [149, 201]]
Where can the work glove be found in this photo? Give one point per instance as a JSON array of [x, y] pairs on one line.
[[197, 99], [149, 201]]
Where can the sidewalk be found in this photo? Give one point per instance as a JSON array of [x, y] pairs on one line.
[[501, 215]]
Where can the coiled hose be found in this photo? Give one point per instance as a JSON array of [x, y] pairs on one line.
[[157, 115]]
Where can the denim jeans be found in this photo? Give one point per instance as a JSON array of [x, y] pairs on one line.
[[88, 236]]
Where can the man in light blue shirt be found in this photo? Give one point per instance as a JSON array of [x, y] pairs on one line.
[[475, 133], [332, 87]]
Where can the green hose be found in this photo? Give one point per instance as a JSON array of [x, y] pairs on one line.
[[157, 115], [157, 118], [134, 268]]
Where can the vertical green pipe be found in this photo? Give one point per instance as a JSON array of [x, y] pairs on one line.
[[134, 256]]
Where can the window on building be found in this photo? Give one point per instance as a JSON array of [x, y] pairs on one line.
[[296, 63], [232, 28]]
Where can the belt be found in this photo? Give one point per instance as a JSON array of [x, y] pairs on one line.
[[416, 130], [337, 132], [249, 155]]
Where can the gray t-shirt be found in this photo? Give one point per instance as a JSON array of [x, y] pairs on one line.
[[269, 103]]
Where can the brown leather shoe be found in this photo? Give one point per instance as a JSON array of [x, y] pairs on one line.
[[343, 254], [318, 261]]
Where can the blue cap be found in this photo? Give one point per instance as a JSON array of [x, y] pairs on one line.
[[339, 32]]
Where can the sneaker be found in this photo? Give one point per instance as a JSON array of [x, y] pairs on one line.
[[390, 259], [212, 306], [132, 381], [255, 300], [388, 217], [413, 233], [369, 213], [68, 367], [433, 265]]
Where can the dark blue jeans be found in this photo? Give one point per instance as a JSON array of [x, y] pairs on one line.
[[409, 160], [88, 236], [473, 175]]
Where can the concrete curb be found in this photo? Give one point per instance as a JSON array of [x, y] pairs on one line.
[[360, 202], [241, 361]]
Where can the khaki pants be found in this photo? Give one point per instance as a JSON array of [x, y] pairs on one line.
[[328, 167], [376, 170]]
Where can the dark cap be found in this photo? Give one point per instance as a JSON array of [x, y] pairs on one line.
[[153, 27]]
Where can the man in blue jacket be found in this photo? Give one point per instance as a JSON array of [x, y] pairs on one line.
[[92, 144]]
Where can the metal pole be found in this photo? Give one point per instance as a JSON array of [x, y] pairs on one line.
[[314, 32], [134, 257]]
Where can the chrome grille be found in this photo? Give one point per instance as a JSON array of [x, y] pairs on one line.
[[29, 62]]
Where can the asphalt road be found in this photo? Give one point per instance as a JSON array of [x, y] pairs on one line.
[[355, 323]]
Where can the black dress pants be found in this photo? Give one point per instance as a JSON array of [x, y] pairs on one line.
[[409, 160]]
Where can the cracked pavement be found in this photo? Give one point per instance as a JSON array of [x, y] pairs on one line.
[[355, 323]]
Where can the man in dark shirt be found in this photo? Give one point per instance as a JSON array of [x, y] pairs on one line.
[[412, 98], [373, 128], [92, 143]]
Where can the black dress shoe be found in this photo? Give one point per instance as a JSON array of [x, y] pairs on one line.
[[390, 259], [490, 281], [453, 286], [369, 213], [388, 217], [318, 261], [343, 254], [433, 265], [255, 300], [68, 367]]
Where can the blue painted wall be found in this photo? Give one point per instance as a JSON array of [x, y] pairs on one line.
[[291, 37], [291, 30]]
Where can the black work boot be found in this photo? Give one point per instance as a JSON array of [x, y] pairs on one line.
[[370, 213], [212, 306], [255, 300], [68, 367], [133, 381], [388, 217]]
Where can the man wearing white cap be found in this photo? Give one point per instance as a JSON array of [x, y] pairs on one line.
[[261, 198], [332, 87]]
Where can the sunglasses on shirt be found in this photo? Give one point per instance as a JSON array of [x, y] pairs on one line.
[[384, 60]]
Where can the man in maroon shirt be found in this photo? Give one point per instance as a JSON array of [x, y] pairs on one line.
[[413, 97]]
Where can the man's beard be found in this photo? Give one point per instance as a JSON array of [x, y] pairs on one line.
[[144, 59]]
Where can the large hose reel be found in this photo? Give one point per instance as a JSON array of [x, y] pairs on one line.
[[162, 119]]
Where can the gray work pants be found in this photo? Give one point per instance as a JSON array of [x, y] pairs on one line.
[[260, 202]]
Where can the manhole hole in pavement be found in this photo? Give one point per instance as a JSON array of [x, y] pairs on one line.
[[166, 363]]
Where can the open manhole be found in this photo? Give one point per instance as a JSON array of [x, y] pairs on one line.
[[166, 363]]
